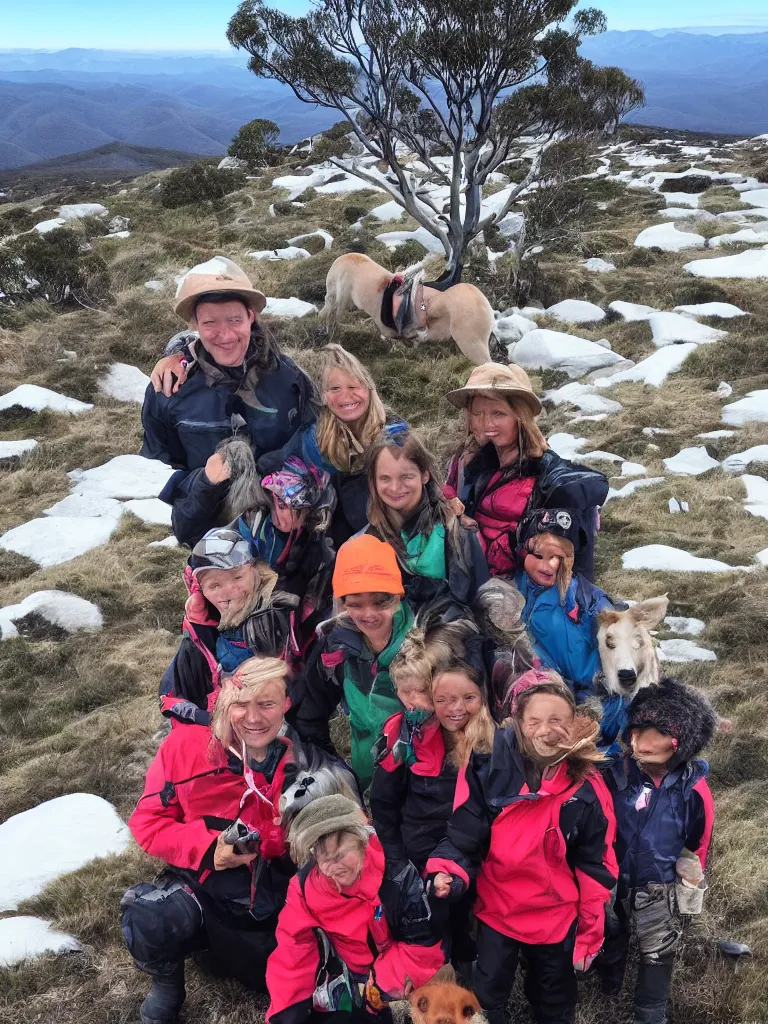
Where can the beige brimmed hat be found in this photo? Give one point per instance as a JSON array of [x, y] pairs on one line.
[[507, 381], [217, 275]]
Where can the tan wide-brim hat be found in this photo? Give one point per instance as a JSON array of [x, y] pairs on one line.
[[217, 275], [496, 379]]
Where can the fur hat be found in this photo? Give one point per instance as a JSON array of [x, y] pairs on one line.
[[217, 275], [675, 710], [321, 818]]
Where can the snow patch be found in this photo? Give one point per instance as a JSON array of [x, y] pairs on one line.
[[756, 502], [291, 252], [691, 462], [125, 383], [392, 239], [24, 938], [739, 461], [49, 225], [169, 542], [31, 396], [125, 476], [73, 211], [663, 558], [292, 307], [748, 235], [632, 311], [673, 328], [80, 827], [748, 265], [669, 239], [584, 397], [756, 197], [683, 651], [634, 485], [724, 310], [682, 624], [633, 469], [58, 539], [576, 311], [57, 607], [326, 236], [715, 434], [15, 449], [654, 370], [543, 349], [598, 266], [150, 510], [753, 408]]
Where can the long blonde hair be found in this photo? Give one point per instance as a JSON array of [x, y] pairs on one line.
[[337, 443], [248, 680]]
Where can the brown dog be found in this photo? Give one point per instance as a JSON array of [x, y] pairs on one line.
[[461, 312], [442, 1001]]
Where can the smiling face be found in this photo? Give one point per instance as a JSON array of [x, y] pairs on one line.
[[493, 419], [373, 615], [340, 857], [347, 398], [543, 562], [651, 747], [229, 590], [456, 698], [257, 718], [546, 722], [225, 330], [399, 483]]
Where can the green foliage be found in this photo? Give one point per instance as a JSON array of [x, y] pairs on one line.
[[198, 183], [255, 142], [16, 220], [57, 263]]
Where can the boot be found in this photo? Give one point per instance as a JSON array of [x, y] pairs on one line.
[[166, 996]]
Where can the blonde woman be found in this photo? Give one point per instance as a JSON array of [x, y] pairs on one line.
[[211, 809], [351, 420], [506, 467]]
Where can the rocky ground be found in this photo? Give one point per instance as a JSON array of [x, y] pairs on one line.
[[646, 328]]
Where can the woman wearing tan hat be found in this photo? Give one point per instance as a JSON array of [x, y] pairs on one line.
[[237, 380], [506, 466]]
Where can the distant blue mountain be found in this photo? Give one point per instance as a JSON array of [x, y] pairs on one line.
[[56, 103]]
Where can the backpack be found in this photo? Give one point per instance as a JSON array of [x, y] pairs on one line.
[[564, 484]]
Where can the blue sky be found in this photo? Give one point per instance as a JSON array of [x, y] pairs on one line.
[[200, 24]]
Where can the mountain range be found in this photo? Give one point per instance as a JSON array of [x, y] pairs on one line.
[[76, 99]]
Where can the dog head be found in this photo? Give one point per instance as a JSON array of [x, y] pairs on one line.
[[627, 654], [442, 1001]]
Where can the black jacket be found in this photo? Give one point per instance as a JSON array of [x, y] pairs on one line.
[[185, 429]]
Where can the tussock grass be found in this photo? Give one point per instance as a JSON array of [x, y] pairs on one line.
[[79, 713]]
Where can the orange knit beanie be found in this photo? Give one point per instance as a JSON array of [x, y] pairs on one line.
[[366, 564]]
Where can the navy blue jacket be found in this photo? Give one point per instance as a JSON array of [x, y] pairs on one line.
[[653, 824], [185, 429]]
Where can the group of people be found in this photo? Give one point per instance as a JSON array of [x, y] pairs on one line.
[[476, 814]]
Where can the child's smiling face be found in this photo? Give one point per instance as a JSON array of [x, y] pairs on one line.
[[543, 560]]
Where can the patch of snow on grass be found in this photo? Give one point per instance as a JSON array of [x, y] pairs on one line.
[[664, 558], [682, 651], [24, 938], [291, 252], [73, 211], [667, 238], [749, 265], [584, 397], [326, 236], [756, 197], [49, 225], [169, 542], [80, 827], [150, 510], [35, 398], [685, 625], [753, 408], [292, 307], [543, 349], [739, 461], [57, 607], [748, 235], [393, 239], [633, 469], [715, 434], [757, 495], [125, 476], [576, 311], [634, 485], [632, 311], [654, 370], [691, 462], [598, 266], [724, 310], [58, 539], [673, 328], [15, 449], [125, 383]]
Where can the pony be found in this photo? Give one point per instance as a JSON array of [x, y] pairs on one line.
[[461, 312]]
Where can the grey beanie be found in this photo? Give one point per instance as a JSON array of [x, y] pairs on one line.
[[322, 817]]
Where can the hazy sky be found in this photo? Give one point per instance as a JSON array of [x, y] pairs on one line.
[[200, 24]]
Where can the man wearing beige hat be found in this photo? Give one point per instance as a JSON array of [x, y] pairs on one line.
[[237, 381]]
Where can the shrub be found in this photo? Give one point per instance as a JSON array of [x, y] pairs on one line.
[[198, 183], [58, 265], [352, 213], [255, 142], [645, 257], [13, 222]]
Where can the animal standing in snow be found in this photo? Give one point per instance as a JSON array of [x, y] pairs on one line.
[[627, 654], [402, 307]]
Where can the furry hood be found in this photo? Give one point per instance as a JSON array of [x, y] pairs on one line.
[[676, 710]]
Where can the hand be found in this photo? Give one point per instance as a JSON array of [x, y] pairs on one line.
[[224, 856], [584, 964], [469, 523], [216, 469], [165, 370], [442, 884], [689, 868], [456, 505]]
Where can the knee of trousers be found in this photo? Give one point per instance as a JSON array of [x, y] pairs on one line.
[[158, 920]]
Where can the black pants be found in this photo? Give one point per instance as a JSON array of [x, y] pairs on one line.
[[550, 984], [456, 925], [654, 974], [164, 922]]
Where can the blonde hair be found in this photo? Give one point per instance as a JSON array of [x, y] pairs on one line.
[[531, 441], [337, 443], [413, 661], [261, 596], [565, 568], [248, 680]]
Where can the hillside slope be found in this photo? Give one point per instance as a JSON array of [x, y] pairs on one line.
[[78, 710]]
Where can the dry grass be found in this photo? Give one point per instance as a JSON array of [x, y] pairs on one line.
[[80, 713]]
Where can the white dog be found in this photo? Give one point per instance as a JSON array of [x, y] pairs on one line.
[[627, 653]]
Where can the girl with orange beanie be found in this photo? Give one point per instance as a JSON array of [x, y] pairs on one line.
[[357, 647]]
